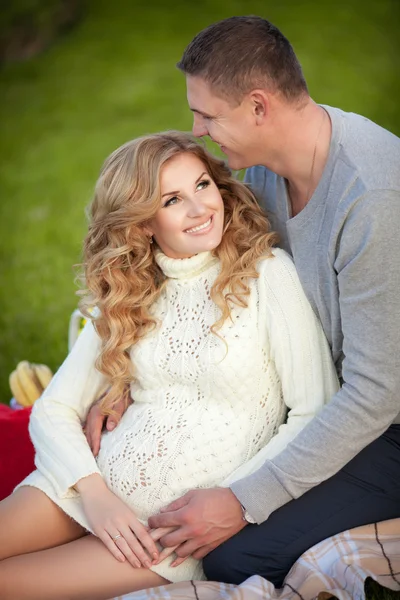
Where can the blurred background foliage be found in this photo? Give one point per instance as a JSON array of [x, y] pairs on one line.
[[80, 78], [27, 27]]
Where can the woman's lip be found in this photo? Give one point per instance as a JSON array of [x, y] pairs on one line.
[[202, 231]]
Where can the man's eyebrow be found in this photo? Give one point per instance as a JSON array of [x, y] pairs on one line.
[[199, 112], [177, 191]]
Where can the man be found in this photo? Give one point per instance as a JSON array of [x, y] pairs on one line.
[[330, 183]]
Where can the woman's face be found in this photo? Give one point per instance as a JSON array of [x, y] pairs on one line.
[[191, 217]]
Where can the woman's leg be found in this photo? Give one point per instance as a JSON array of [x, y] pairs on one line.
[[30, 521], [80, 569]]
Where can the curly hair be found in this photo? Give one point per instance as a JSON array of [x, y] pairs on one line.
[[121, 276]]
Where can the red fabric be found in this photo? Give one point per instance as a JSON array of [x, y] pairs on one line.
[[16, 449]]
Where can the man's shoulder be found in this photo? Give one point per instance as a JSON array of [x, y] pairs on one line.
[[357, 123], [365, 150]]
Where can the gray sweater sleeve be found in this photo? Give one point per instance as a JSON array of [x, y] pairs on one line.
[[366, 259]]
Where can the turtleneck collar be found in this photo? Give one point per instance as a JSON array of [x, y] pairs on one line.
[[184, 268]]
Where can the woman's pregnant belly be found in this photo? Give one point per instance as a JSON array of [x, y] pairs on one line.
[[156, 455]]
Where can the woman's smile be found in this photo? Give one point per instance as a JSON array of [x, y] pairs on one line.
[[201, 229]]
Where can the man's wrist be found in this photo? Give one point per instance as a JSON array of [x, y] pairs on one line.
[[246, 516]]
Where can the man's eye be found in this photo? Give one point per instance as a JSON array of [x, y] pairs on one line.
[[203, 184], [171, 201]]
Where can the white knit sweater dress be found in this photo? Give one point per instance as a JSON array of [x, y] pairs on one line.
[[204, 413]]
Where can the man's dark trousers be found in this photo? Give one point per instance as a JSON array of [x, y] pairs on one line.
[[365, 491]]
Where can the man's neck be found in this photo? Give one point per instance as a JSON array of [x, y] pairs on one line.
[[303, 139]]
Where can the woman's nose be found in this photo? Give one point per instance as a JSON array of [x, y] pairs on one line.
[[196, 209]]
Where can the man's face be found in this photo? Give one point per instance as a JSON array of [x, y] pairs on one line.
[[231, 127]]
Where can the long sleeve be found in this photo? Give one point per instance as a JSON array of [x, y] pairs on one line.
[[368, 401], [345, 244], [62, 452], [303, 361]]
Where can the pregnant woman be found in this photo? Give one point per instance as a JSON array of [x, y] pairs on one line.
[[207, 326]]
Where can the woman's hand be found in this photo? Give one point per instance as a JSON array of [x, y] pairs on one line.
[[115, 523], [158, 533], [95, 422]]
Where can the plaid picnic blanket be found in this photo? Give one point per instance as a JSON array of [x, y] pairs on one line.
[[334, 568]]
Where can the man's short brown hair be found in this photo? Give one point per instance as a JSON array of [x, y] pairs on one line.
[[239, 54]]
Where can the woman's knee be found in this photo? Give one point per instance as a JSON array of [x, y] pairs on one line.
[[30, 521], [9, 577]]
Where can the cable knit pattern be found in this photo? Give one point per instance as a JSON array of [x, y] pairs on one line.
[[205, 407], [195, 417]]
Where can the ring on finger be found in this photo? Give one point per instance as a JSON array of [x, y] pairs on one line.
[[116, 537]]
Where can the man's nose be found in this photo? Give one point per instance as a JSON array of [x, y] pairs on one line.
[[199, 129]]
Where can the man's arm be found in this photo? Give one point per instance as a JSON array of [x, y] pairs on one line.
[[369, 282], [368, 270]]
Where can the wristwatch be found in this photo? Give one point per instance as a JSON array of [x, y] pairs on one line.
[[246, 516]]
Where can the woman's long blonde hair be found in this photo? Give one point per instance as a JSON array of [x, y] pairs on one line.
[[121, 276]]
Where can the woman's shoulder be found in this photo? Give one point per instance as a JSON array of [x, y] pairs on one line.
[[278, 273], [277, 261]]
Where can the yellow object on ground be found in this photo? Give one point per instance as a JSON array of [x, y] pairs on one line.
[[28, 382]]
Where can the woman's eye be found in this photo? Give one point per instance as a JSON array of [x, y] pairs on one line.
[[171, 201], [203, 184]]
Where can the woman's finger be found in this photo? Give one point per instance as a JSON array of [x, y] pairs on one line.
[[156, 534], [134, 549], [165, 552], [178, 561], [111, 545], [178, 535], [145, 539]]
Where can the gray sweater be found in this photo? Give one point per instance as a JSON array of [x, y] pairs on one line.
[[346, 247]]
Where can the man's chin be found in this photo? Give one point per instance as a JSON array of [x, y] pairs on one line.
[[235, 163]]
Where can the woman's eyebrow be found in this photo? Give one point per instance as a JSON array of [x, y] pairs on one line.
[[177, 191]]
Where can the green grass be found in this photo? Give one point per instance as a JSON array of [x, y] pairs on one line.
[[373, 591], [112, 78]]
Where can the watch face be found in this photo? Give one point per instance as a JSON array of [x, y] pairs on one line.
[[249, 518]]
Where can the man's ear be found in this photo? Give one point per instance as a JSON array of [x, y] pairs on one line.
[[259, 105]]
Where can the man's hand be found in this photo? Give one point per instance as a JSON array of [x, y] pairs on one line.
[[203, 519], [95, 422]]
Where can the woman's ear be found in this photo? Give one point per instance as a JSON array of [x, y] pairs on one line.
[[147, 231]]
